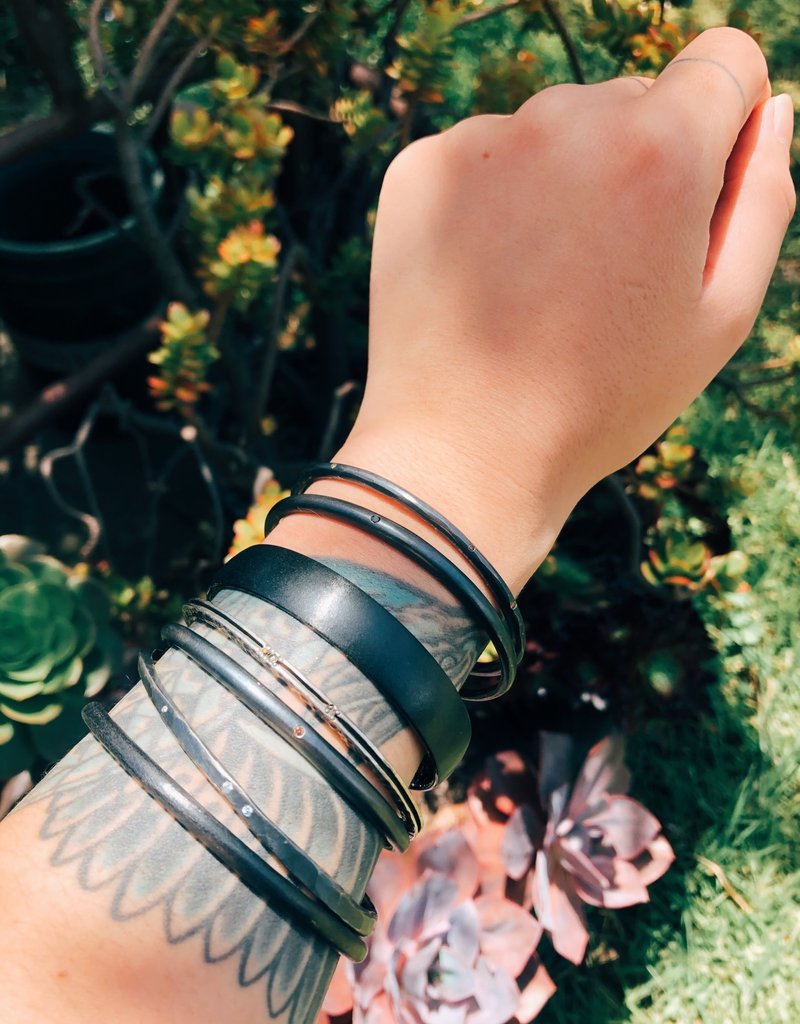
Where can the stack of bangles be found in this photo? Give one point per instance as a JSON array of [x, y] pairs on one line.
[[378, 645]]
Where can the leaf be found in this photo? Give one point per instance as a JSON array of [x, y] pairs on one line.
[[519, 847], [628, 827], [451, 855], [559, 911], [424, 907], [509, 934]]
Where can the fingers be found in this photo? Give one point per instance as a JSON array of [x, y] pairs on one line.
[[709, 90], [749, 222]]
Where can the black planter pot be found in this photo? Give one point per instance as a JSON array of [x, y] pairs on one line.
[[73, 274]]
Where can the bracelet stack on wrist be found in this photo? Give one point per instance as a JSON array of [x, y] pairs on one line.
[[374, 642]]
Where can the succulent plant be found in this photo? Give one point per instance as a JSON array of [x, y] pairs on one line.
[[250, 530], [671, 464], [455, 939], [183, 360], [598, 846], [688, 565], [443, 951], [677, 560], [56, 650]]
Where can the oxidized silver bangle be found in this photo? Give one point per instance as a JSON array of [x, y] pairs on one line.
[[266, 657]]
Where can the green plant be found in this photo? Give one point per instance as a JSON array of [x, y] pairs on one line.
[[56, 650]]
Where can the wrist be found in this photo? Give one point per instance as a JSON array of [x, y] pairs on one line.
[[514, 526]]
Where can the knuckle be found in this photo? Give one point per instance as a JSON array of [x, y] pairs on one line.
[[473, 131], [412, 159], [550, 103]]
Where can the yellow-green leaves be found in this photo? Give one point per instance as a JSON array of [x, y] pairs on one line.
[[183, 359]]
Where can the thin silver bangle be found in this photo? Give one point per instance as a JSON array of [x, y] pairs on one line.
[[265, 656]]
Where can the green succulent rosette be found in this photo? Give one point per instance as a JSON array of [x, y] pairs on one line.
[[57, 649]]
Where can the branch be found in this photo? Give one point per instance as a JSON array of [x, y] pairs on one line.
[[297, 35], [468, 19], [327, 445], [61, 124], [172, 85], [175, 281], [144, 64], [270, 357], [757, 410], [389, 48], [100, 63], [56, 398], [48, 30], [296, 108], [559, 25], [616, 487], [775, 378], [777, 363]]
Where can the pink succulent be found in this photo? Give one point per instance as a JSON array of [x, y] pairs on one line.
[[442, 953], [599, 846], [455, 940]]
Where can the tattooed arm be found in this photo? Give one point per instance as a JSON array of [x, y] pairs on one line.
[[131, 919], [536, 320]]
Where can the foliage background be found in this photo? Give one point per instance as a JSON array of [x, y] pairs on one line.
[[699, 667]]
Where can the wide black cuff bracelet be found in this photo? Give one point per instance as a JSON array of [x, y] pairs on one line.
[[360, 917], [261, 879], [266, 657], [435, 563], [346, 779], [370, 637], [495, 583]]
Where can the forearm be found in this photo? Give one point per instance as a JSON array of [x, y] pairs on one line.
[[144, 924]]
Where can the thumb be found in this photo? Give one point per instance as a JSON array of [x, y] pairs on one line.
[[754, 209]]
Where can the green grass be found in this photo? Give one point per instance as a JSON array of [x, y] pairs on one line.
[[720, 941]]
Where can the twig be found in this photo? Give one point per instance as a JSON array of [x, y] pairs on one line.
[[559, 25], [333, 426], [270, 357], [92, 521], [389, 48], [296, 108], [615, 485], [166, 263], [758, 410], [775, 378], [297, 35], [102, 104], [60, 396], [714, 869], [172, 85], [100, 63], [777, 363], [490, 12], [144, 64]]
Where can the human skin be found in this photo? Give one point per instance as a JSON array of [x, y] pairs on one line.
[[548, 291]]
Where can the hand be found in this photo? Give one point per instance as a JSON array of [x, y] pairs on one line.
[[550, 289]]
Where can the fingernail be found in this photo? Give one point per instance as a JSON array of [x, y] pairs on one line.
[[782, 112]]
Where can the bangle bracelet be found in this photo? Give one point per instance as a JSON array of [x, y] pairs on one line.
[[370, 637], [361, 918], [261, 879], [431, 559], [495, 583], [269, 709], [265, 656]]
